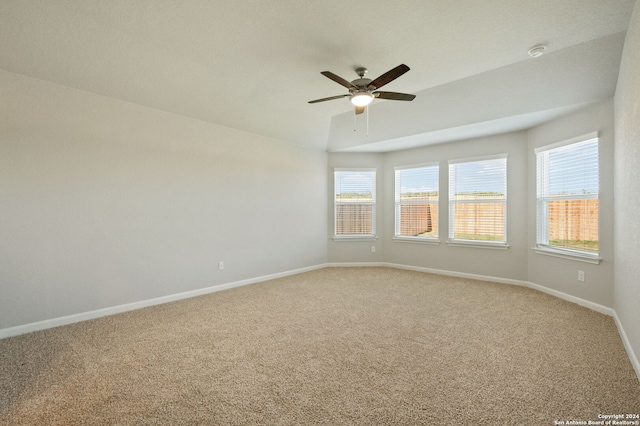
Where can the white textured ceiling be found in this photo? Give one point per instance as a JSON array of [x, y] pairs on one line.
[[253, 65]]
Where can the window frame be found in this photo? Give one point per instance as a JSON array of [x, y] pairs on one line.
[[373, 203], [398, 205], [542, 198], [452, 202]]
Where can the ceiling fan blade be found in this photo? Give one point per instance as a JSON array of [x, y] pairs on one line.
[[389, 76], [395, 96], [360, 109], [338, 80], [328, 99]]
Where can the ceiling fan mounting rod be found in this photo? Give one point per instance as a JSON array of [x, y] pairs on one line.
[[362, 71]]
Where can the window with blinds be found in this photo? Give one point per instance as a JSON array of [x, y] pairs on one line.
[[478, 200], [355, 202], [567, 195], [416, 202]]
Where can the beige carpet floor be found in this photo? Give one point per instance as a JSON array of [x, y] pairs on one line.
[[336, 346]]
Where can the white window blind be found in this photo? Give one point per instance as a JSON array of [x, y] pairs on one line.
[[355, 202], [416, 202], [478, 199], [567, 196]]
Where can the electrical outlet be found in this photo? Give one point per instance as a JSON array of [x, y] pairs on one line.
[[221, 265], [581, 276], [373, 249]]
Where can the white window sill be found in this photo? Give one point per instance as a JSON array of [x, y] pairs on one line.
[[478, 244], [568, 254], [416, 240], [353, 238]]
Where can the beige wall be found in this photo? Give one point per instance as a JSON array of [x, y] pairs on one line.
[[107, 203], [508, 264], [519, 261], [627, 188], [354, 251], [562, 274]]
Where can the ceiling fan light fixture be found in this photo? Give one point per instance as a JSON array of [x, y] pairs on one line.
[[361, 98]]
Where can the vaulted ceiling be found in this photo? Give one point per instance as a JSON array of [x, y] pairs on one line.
[[253, 65]]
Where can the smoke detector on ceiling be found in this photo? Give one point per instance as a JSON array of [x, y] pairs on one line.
[[538, 50]]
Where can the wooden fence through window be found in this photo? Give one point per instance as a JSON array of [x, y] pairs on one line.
[[570, 220], [573, 220], [354, 219]]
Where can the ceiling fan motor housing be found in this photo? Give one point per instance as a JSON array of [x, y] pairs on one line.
[[362, 84]]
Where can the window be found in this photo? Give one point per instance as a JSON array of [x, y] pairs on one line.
[[567, 196], [478, 200], [355, 202], [417, 202]]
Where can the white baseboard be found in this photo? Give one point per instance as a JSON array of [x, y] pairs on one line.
[[459, 274], [582, 302], [70, 319], [354, 264], [627, 345], [430, 271], [573, 299]]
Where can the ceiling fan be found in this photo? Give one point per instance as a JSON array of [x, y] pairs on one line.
[[363, 91]]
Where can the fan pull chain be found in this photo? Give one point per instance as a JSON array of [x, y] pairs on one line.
[[367, 108], [355, 121]]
